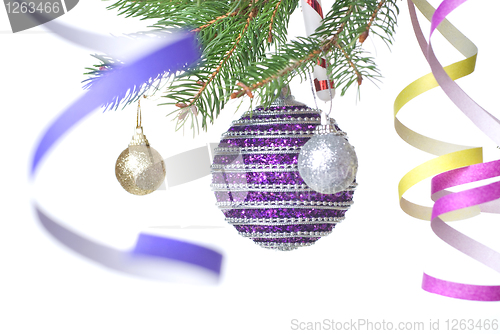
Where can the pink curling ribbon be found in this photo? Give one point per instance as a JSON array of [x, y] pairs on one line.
[[445, 202], [313, 14]]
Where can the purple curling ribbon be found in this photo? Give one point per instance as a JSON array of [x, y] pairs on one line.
[[153, 256], [447, 202]]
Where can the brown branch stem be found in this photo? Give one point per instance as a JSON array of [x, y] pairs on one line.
[[358, 75], [365, 33], [284, 71], [270, 36], [214, 21], [223, 61]]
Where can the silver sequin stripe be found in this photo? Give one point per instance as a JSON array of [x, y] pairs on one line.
[[268, 187], [284, 221], [235, 152], [265, 112], [284, 246], [265, 205], [296, 202], [235, 135], [272, 134], [304, 234], [271, 121], [257, 150], [240, 168]]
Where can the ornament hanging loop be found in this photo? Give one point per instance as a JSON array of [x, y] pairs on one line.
[[331, 97], [325, 116], [139, 138], [325, 119]]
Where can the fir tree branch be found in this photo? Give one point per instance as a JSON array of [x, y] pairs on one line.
[[251, 14], [208, 24], [349, 60], [365, 33], [234, 37], [270, 36], [273, 77], [323, 49], [333, 40], [348, 18]]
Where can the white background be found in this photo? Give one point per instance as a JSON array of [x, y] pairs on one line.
[[370, 267]]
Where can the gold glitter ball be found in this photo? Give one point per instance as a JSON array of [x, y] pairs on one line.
[[140, 169]]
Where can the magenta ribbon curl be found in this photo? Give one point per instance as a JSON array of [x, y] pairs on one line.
[[446, 201]]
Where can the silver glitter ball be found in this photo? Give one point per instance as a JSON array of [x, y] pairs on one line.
[[328, 163]]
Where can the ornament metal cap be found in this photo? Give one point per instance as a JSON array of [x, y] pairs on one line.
[[327, 126], [139, 138], [325, 129]]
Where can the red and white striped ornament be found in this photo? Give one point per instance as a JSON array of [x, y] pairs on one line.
[[313, 14]]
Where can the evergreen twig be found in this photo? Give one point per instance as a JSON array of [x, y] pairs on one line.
[[270, 36], [213, 21], [246, 63]]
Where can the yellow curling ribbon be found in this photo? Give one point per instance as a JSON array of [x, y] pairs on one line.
[[450, 156]]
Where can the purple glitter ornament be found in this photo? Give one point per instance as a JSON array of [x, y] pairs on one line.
[[257, 184]]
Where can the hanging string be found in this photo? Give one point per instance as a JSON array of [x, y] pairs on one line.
[[331, 98], [313, 93], [326, 117], [139, 114]]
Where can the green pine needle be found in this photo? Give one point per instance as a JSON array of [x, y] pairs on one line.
[[245, 49]]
